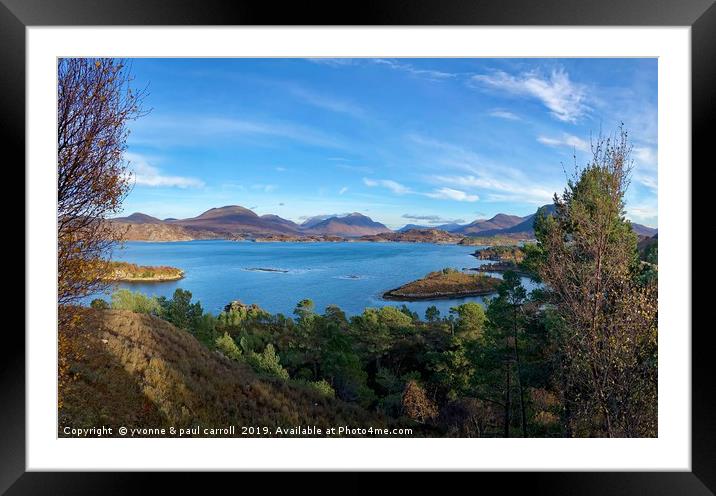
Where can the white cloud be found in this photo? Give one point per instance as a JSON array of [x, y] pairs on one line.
[[144, 174], [411, 69], [452, 194], [343, 190], [645, 155], [328, 103], [523, 191], [645, 167], [644, 213], [281, 169], [646, 180], [333, 62], [394, 64], [564, 99], [192, 130], [393, 186], [505, 114], [568, 140], [266, 188], [441, 193], [503, 183], [432, 219]]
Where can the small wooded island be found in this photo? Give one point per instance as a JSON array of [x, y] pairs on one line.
[[129, 272], [443, 284]]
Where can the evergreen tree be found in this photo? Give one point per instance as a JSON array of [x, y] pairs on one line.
[[588, 260]]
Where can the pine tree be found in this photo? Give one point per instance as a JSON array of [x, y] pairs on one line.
[[588, 259]]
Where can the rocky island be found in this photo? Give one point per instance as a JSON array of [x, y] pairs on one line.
[[129, 272], [514, 254], [502, 258], [445, 284]]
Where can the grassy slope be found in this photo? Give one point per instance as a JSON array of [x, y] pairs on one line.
[[139, 371]]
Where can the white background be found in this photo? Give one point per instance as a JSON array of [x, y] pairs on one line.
[[670, 451]]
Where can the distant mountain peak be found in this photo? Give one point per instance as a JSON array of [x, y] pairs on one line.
[[354, 224], [227, 210], [497, 222], [139, 218]]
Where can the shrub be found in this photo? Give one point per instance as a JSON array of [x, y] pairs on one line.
[[236, 315], [204, 329], [228, 347], [323, 388], [124, 299], [99, 304], [416, 403], [267, 362], [470, 319]]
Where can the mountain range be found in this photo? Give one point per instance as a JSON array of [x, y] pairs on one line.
[[233, 220]]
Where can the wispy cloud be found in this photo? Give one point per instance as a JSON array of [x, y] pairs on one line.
[[565, 99], [144, 174], [415, 71], [393, 186], [333, 62], [646, 180], [432, 219], [567, 140], [523, 191], [327, 102], [356, 168], [395, 64], [439, 194], [505, 114], [180, 130], [645, 167], [645, 155], [452, 194], [644, 213], [497, 181], [266, 188], [343, 190]]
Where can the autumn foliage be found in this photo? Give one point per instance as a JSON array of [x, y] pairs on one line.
[[416, 403], [95, 102], [607, 312]]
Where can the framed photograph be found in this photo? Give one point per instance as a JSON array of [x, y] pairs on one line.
[[440, 238]]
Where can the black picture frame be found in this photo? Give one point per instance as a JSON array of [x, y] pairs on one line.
[[700, 15]]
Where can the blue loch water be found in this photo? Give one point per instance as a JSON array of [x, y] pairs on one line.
[[350, 275]]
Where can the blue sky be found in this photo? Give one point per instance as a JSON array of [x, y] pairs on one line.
[[420, 141]]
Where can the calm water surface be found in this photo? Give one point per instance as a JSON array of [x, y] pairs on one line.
[[350, 275]]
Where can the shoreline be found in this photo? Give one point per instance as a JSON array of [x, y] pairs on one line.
[[435, 296], [346, 240], [148, 279]]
